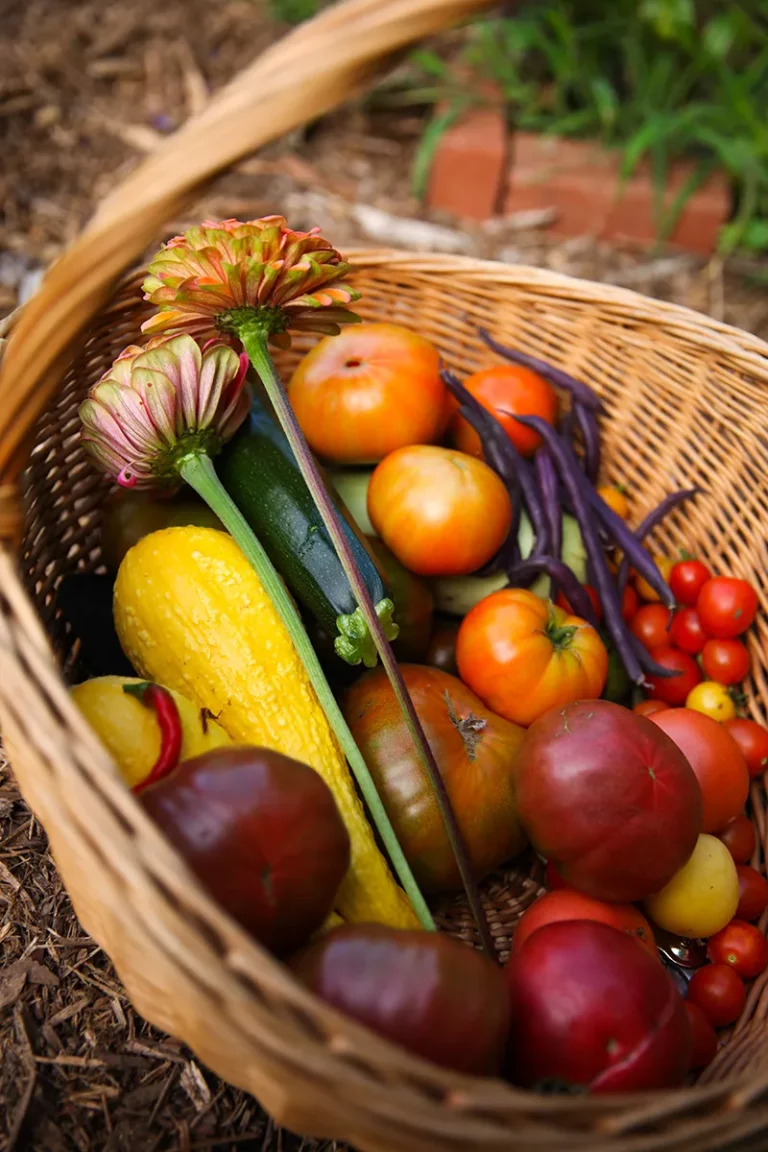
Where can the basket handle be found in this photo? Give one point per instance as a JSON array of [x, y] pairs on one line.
[[312, 70]]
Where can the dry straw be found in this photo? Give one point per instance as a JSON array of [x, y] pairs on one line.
[[687, 403]]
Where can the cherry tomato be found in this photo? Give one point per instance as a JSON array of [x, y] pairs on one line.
[[644, 590], [686, 632], [726, 661], [507, 390], [726, 607], [374, 388], [650, 624], [716, 760], [703, 1036], [711, 699], [739, 837], [552, 878], [522, 655], [686, 580], [752, 738], [629, 603], [593, 598], [753, 893], [742, 947], [615, 499], [648, 707], [674, 689], [719, 992], [441, 512]]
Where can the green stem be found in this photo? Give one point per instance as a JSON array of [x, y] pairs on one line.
[[254, 339], [198, 471]]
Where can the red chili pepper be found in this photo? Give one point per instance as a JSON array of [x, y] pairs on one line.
[[164, 706]]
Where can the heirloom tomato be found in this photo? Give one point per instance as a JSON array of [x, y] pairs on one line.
[[568, 904], [507, 390]]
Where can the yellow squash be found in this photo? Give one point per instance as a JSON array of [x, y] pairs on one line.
[[192, 614], [130, 731]]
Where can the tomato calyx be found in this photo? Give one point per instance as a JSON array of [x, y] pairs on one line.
[[469, 727], [560, 636]]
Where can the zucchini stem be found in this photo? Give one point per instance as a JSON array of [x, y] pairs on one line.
[[254, 339], [198, 471]]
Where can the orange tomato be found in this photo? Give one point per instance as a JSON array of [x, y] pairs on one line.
[[615, 499], [522, 655], [374, 388], [442, 513], [567, 904], [644, 590], [507, 390]]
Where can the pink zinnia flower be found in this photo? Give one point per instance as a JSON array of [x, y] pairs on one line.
[[160, 403], [213, 277]]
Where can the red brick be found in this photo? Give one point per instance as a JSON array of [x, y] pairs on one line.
[[470, 164]]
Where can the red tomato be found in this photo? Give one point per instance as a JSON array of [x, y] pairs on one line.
[[594, 600], [674, 689], [523, 655], [739, 837], [716, 760], [442, 513], [686, 580], [648, 707], [753, 893], [719, 992], [742, 947], [703, 1035], [507, 390], [752, 738], [374, 388], [650, 624], [726, 661], [726, 607], [629, 603], [568, 904], [590, 1007], [553, 879], [686, 632]]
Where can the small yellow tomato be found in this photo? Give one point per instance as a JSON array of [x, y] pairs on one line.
[[665, 565], [712, 699], [614, 498], [702, 897]]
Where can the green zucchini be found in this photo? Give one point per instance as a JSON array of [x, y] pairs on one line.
[[260, 473]]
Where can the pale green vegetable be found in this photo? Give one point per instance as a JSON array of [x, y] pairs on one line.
[[352, 486]]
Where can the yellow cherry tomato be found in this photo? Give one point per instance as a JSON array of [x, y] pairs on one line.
[[702, 897], [712, 699], [614, 498], [665, 565]]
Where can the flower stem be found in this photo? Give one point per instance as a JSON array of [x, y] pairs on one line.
[[254, 341], [198, 471]]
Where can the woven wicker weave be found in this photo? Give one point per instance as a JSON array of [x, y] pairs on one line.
[[687, 402]]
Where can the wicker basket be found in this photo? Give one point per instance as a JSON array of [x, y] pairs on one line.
[[687, 402]]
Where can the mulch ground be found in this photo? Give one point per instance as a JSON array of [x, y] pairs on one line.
[[87, 89]]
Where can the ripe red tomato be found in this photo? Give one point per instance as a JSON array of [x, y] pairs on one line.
[[594, 600], [742, 947], [674, 689], [444, 1002], [686, 632], [507, 390], [588, 1006], [739, 837], [716, 760], [609, 797], [752, 738], [629, 603], [650, 624], [553, 879], [753, 893], [726, 607], [568, 904], [648, 707], [441, 512], [703, 1035], [719, 992], [726, 661], [475, 752], [686, 580], [374, 388], [523, 655]]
